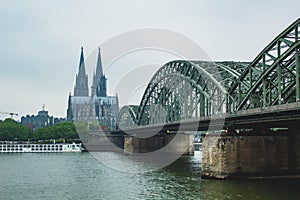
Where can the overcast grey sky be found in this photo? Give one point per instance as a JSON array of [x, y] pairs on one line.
[[40, 40]]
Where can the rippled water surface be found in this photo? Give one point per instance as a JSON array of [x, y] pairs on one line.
[[81, 176]]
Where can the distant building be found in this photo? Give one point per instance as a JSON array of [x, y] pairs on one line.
[[41, 120], [97, 106]]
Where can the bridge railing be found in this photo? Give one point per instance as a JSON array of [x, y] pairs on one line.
[[269, 109], [256, 111]]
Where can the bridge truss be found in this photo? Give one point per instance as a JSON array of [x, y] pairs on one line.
[[182, 90]]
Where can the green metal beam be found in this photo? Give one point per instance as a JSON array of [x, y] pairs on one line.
[[297, 66], [267, 72]]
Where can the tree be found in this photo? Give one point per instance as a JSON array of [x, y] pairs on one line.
[[66, 130], [12, 130]]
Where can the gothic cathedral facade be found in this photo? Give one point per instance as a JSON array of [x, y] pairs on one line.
[[97, 106]]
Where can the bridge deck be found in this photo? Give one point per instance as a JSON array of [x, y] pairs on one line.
[[287, 115]]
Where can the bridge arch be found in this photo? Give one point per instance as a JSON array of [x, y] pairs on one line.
[[272, 78], [208, 88], [183, 90], [127, 116]]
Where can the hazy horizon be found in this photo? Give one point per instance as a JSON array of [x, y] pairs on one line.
[[41, 40]]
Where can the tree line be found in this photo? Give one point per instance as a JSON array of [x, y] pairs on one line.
[[10, 130]]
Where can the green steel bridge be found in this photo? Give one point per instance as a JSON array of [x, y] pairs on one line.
[[196, 92]]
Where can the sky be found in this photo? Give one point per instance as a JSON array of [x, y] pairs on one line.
[[41, 40]]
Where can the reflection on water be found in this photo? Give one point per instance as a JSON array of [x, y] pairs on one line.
[[224, 189], [81, 176]]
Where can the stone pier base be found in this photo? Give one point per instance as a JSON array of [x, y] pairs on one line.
[[251, 156], [182, 144], [142, 145], [174, 143]]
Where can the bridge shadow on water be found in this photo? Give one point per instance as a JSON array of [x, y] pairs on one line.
[[182, 180]]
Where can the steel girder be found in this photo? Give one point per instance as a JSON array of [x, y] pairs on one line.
[[183, 90], [190, 89], [273, 76], [127, 117]]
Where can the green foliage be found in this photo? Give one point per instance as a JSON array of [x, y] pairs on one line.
[[11, 130], [82, 127], [67, 130], [86, 129], [83, 130], [94, 126], [63, 130]]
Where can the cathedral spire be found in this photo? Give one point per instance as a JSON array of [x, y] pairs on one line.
[[99, 79], [81, 86], [81, 70], [99, 69]]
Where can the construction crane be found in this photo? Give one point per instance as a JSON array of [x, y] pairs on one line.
[[9, 113]]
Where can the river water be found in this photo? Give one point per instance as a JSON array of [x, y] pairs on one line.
[[81, 176]]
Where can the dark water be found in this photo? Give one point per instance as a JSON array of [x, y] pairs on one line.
[[81, 176]]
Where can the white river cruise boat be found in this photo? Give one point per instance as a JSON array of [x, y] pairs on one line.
[[11, 147]]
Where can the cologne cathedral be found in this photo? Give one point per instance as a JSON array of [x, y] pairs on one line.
[[97, 106]]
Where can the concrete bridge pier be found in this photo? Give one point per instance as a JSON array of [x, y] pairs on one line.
[[179, 143], [271, 155]]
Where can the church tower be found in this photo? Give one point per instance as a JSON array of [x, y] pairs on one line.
[[70, 109], [81, 86], [99, 79], [101, 87], [94, 107]]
